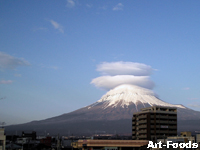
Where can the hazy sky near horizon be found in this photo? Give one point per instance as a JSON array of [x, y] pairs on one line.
[[55, 54]]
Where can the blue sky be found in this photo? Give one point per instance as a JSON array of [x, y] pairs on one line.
[[50, 50]]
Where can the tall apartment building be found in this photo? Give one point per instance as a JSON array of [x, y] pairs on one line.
[[153, 123]]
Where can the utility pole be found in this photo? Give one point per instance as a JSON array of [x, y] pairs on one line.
[[58, 143], [72, 142]]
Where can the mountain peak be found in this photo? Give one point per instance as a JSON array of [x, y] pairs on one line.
[[125, 95], [132, 89]]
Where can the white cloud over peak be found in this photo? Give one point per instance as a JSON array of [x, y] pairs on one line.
[[118, 73], [10, 62], [119, 6], [124, 68], [6, 81], [57, 26], [110, 82], [70, 3]]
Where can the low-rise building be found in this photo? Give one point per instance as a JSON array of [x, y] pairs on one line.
[[198, 138], [186, 134], [185, 137], [31, 135], [111, 144], [181, 139], [2, 139]]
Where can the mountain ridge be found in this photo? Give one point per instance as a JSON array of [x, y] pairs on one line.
[[115, 107]]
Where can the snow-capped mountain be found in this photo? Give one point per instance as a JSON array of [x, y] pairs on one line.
[[125, 95], [113, 112], [120, 103]]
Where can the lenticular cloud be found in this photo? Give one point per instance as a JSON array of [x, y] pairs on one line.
[[124, 68], [118, 73]]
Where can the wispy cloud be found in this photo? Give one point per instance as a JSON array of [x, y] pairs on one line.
[[194, 105], [89, 5], [118, 73], [6, 81], [10, 62], [119, 6], [70, 3], [57, 26]]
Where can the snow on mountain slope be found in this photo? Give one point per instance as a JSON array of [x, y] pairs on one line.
[[126, 94]]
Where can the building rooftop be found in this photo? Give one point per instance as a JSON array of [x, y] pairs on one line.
[[110, 143], [160, 109]]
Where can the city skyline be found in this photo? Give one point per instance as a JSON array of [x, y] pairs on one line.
[[53, 53]]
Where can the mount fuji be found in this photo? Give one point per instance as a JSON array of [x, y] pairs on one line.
[[111, 114]]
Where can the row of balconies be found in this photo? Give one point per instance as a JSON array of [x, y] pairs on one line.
[[142, 116], [142, 126], [164, 121], [157, 127], [163, 117], [156, 132], [142, 121], [163, 132], [157, 117], [160, 126], [142, 131], [144, 136], [139, 137], [156, 121]]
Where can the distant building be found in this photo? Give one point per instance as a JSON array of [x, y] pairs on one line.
[[154, 123], [23, 140], [198, 138], [2, 139], [27, 140], [181, 139], [185, 137], [46, 141], [186, 134], [32, 135]]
